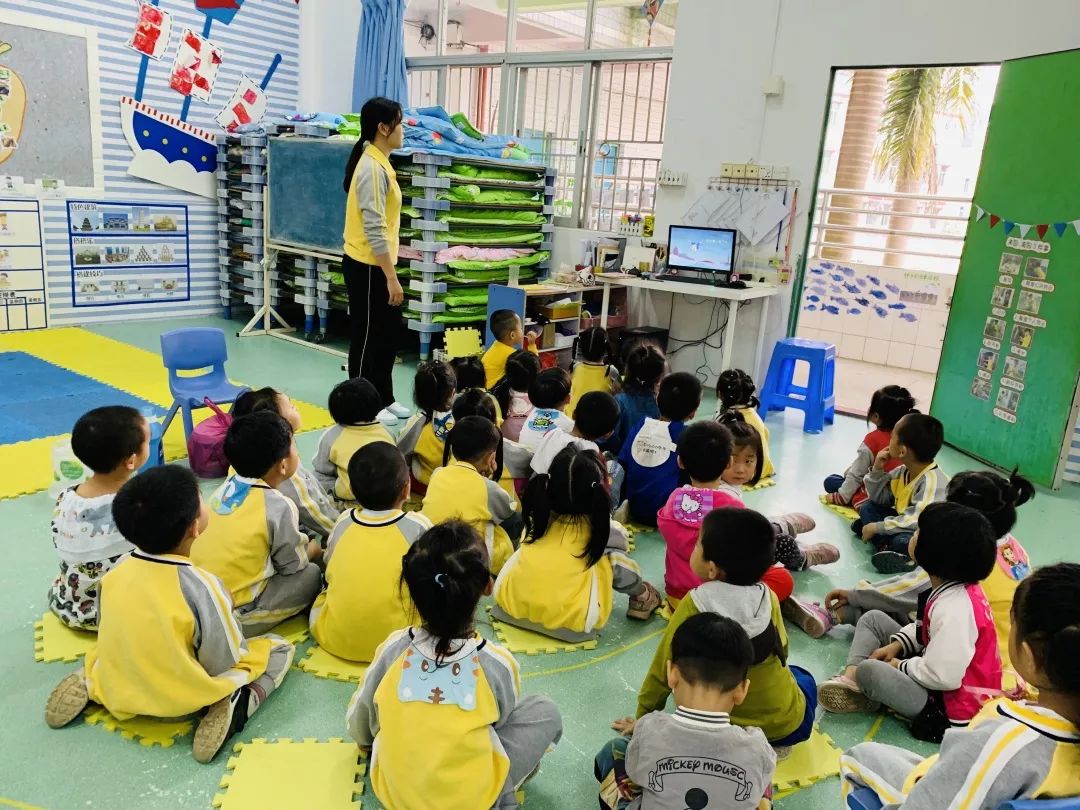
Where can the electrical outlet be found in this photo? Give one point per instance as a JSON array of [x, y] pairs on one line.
[[727, 170], [753, 171], [765, 172], [667, 177], [738, 170]]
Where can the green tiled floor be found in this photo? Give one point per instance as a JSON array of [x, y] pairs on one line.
[[85, 766]]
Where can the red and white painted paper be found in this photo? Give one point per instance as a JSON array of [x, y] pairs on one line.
[[247, 106], [153, 28], [195, 67]]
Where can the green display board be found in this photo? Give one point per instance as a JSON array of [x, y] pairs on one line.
[[1008, 376]]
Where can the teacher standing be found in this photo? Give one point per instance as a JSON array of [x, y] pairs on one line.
[[372, 225]]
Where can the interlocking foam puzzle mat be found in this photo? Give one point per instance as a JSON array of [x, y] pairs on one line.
[[294, 630], [845, 512], [321, 664], [809, 762], [764, 483], [148, 731], [518, 640], [283, 773], [98, 370], [55, 641]]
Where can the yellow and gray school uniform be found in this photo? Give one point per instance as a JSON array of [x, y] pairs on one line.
[[336, 449], [168, 643], [451, 733], [460, 491], [906, 494], [753, 418], [588, 377], [318, 512], [423, 440], [254, 544], [1011, 750], [548, 587], [373, 209], [364, 602]]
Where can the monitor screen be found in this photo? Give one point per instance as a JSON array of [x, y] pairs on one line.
[[710, 250]]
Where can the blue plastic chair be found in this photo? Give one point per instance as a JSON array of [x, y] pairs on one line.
[[190, 350], [816, 399], [866, 799]]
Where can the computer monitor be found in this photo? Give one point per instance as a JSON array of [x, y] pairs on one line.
[[704, 250]]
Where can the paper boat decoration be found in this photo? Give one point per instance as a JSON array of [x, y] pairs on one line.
[[167, 150], [221, 11]]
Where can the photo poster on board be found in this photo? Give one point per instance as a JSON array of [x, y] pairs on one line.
[[128, 253], [22, 267], [1007, 383]]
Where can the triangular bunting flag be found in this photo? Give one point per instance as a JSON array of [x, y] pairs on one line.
[[1060, 227], [1024, 230], [1041, 230], [979, 213], [1076, 224], [994, 220], [1009, 225]]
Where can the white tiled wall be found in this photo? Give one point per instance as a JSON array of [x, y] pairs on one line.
[[889, 340]]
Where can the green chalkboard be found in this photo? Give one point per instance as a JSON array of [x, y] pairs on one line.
[[1008, 375]]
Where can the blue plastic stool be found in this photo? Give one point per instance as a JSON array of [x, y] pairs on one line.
[[816, 400], [190, 350], [1072, 803], [157, 446], [863, 799]]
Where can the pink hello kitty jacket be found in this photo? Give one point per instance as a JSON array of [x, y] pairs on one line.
[[679, 522]]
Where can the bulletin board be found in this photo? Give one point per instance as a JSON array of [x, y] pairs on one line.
[[22, 267], [1006, 387]]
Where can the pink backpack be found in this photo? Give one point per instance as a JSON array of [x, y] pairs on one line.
[[206, 444]]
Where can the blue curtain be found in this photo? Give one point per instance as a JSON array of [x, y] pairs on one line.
[[380, 53]]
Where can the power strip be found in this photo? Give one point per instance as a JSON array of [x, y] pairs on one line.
[[667, 177]]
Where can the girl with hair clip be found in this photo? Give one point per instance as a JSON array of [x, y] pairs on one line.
[[515, 458], [512, 391], [562, 580], [1012, 750], [465, 488], [439, 710], [423, 438], [594, 372], [887, 405], [645, 367], [735, 394]]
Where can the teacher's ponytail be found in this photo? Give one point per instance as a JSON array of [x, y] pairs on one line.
[[375, 111]]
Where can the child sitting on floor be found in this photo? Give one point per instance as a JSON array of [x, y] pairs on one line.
[[594, 372], [509, 334], [354, 405], [113, 442], [469, 372], [168, 644], [594, 419], [318, 513], [1012, 749], [889, 517], [645, 366], [423, 438], [253, 541], [549, 394], [887, 405], [648, 455], [562, 580], [707, 672], [512, 392], [733, 552], [466, 488], [443, 704], [362, 603], [735, 394], [937, 669], [515, 458], [704, 450]]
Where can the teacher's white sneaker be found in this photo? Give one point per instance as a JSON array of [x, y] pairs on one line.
[[386, 416], [399, 410]]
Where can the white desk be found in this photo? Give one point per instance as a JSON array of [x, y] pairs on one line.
[[754, 291]]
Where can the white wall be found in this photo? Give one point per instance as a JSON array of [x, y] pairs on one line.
[[328, 33], [723, 50]]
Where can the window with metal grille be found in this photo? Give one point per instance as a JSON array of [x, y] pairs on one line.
[[423, 87], [474, 90]]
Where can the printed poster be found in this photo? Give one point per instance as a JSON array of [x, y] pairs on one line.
[[22, 267]]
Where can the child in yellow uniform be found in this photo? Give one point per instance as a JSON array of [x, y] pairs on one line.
[[466, 488], [509, 334], [354, 406], [562, 581], [168, 644], [514, 458], [363, 603], [253, 542], [423, 438], [593, 373], [735, 394], [440, 708]]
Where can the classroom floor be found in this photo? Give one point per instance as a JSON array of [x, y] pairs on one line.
[[85, 765]]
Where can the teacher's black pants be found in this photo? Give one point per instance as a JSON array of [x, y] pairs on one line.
[[375, 326]]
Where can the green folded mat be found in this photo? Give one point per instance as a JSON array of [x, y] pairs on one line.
[[407, 211], [472, 193], [538, 257], [475, 277], [453, 317], [467, 171], [409, 233], [490, 236], [466, 297], [465, 125], [488, 216]]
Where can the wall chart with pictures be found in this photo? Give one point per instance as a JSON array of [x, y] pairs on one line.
[[1007, 386], [22, 267]]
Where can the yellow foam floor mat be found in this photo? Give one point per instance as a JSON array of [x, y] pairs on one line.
[[26, 467], [764, 483], [286, 774], [809, 762], [294, 630], [518, 640], [55, 641], [321, 664], [845, 512], [148, 731]]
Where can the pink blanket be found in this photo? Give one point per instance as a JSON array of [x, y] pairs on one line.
[[462, 252]]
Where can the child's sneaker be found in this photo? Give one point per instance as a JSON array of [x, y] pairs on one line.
[[622, 514], [645, 603], [225, 718], [820, 554], [67, 700], [814, 620], [794, 523], [892, 562], [782, 752], [841, 695]]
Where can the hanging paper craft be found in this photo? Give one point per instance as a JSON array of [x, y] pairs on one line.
[[247, 106], [221, 11], [152, 31], [651, 10], [195, 67]]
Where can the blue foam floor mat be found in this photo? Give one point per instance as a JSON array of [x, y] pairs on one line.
[[39, 399]]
